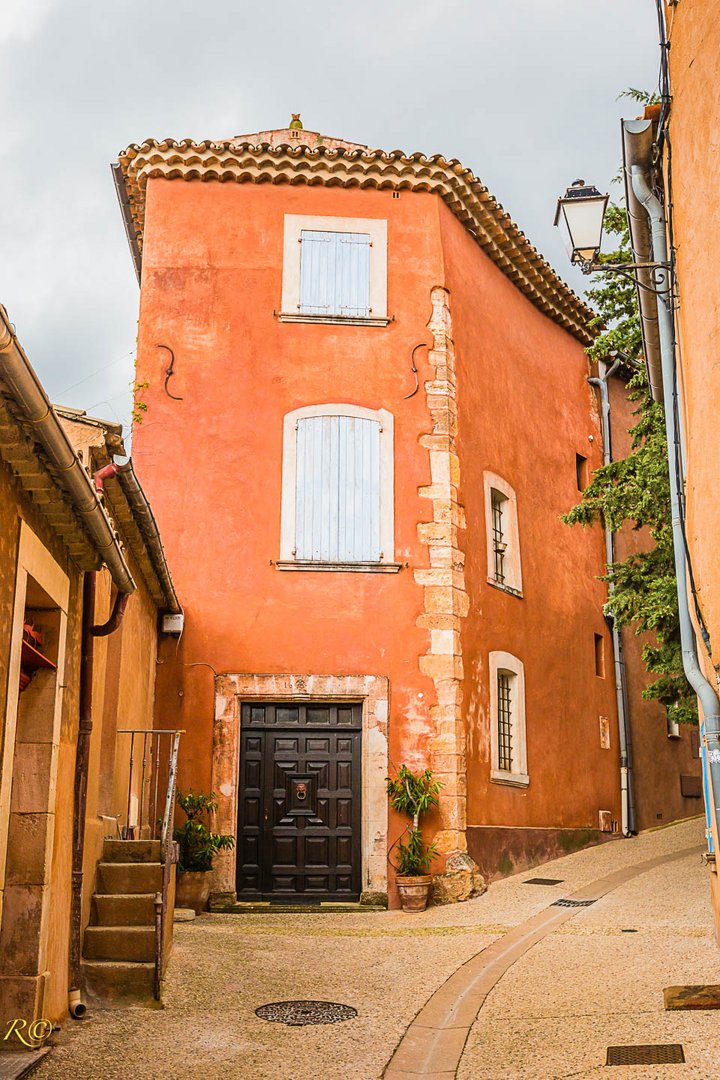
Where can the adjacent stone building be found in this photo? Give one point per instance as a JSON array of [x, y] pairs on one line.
[[367, 410], [75, 667]]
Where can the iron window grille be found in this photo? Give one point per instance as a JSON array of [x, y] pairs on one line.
[[498, 536], [504, 721]]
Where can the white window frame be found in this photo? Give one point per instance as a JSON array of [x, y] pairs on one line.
[[287, 560], [513, 563], [517, 776], [376, 228]]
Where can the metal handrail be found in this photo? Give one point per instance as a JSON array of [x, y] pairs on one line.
[[150, 741]]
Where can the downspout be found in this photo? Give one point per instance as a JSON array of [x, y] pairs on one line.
[[627, 788], [704, 690], [76, 1006]]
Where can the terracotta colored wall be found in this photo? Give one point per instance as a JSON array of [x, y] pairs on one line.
[[658, 761], [211, 464], [695, 88], [525, 411]]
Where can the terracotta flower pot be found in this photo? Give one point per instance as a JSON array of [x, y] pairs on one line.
[[193, 890], [414, 891]]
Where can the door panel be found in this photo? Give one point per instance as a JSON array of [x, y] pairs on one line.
[[299, 802]]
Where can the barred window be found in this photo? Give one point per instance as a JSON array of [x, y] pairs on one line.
[[504, 720], [504, 568], [498, 535], [508, 741]]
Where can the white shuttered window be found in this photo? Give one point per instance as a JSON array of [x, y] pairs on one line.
[[335, 273], [337, 495]]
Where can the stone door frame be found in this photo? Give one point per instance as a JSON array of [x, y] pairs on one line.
[[372, 691]]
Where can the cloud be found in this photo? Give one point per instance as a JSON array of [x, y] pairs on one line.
[[523, 92]]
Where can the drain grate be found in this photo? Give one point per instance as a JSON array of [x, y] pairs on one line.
[[543, 881], [660, 1054], [301, 1013], [572, 903]]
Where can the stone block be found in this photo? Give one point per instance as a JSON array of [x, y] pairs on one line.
[[450, 841], [28, 855], [438, 621], [20, 997], [460, 881], [21, 929], [31, 792], [437, 532], [436, 442], [439, 599], [445, 641], [441, 667]]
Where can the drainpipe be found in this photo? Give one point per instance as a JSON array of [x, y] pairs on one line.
[[76, 1006], [627, 787], [704, 690]]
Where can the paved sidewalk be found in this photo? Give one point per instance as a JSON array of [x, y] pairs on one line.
[[585, 986]]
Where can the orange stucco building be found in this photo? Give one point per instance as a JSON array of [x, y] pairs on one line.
[[367, 409], [689, 156]]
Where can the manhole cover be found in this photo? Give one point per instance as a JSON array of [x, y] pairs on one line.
[[660, 1054], [300, 1013], [543, 881], [572, 903]]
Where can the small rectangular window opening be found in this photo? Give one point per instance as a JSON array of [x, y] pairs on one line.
[[498, 535], [599, 656], [504, 720], [396, 194], [581, 472]]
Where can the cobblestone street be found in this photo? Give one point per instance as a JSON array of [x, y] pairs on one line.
[[591, 981]]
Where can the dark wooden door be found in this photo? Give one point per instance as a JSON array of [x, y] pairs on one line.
[[299, 802]]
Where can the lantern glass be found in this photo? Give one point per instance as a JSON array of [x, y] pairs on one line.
[[582, 209]]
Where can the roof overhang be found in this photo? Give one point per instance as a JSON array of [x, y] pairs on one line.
[[243, 161]]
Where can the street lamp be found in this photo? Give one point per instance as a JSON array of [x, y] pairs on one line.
[[582, 209]]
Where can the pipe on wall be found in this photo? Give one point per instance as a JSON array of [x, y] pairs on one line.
[[35, 404], [704, 690], [76, 1006], [627, 787]]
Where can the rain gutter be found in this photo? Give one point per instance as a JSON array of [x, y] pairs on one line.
[[145, 520], [709, 702], [638, 137], [27, 390], [627, 787]]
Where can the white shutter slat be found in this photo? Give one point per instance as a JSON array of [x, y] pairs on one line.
[[334, 273], [338, 489]]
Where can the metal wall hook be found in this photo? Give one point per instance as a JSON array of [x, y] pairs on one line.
[[169, 371], [413, 368]]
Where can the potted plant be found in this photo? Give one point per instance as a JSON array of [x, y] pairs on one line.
[[197, 849], [414, 794]]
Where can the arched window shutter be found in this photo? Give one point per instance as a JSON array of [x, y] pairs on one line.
[[337, 510]]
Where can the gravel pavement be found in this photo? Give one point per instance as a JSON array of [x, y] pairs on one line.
[[588, 985]]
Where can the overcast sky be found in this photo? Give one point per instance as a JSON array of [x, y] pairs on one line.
[[524, 92]]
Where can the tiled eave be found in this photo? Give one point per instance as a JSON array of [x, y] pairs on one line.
[[37, 477], [470, 201]]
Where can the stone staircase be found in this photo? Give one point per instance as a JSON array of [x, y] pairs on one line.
[[119, 945]]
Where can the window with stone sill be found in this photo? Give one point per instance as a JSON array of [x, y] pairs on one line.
[[338, 490], [507, 720], [334, 270]]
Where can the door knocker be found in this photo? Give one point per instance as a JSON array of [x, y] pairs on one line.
[[301, 792]]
